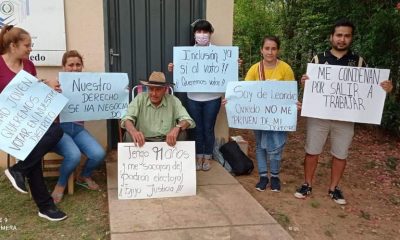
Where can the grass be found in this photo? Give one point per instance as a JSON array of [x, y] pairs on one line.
[[391, 163], [86, 210], [365, 215], [328, 233], [315, 204], [282, 219], [394, 200], [370, 165], [396, 182]]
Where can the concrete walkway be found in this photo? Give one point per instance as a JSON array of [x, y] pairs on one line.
[[222, 209]]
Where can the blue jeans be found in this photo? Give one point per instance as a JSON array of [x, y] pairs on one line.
[[74, 141], [269, 146], [204, 115]]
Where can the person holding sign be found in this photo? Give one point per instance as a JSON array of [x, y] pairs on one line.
[[269, 144], [15, 47], [203, 107], [155, 116], [76, 140], [341, 132]]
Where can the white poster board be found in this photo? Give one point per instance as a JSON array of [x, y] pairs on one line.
[[205, 69], [44, 20], [156, 170], [27, 109], [94, 96], [344, 93], [262, 105]]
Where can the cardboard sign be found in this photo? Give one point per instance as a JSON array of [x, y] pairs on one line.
[[94, 96], [27, 109], [156, 170], [262, 105], [344, 93], [205, 69]]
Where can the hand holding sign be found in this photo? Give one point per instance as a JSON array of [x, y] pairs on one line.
[[156, 170], [262, 105], [345, 93], [94, 96], [204, 69], [27, 109]]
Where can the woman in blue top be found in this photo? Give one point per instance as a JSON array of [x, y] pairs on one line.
[[76, 140]]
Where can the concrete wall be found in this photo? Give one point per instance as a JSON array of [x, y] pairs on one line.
[[220, 14]]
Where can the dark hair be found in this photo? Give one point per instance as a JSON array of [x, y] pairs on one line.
[[202, 24], [10, 34], [271, 38], [69, 54], [343, 23]]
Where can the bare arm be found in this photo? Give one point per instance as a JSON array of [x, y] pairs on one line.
[[173, 134], [170, 67], [137, 136]]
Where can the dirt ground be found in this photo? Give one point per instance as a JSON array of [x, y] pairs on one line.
[[371, 186]]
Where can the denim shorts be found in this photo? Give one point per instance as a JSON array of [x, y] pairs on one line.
[[340, 134]]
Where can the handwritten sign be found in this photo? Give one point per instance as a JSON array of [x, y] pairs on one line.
[[27, 109], [94, 96], [156, 170], [344, 93], [262, 105], [205, 69]]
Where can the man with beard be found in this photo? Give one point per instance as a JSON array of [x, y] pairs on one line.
[[341, 133]]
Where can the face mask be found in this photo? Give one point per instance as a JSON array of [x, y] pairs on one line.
[[202, 39]]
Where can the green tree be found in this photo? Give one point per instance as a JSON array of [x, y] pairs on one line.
[[253, 19], [304, 27]]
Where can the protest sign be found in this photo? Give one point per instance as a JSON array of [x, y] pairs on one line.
[[156, 170], [262, 105], [27, 109], [205, 69], [94, 96], [344, 93]]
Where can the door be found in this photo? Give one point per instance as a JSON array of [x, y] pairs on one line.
[[141, 36]]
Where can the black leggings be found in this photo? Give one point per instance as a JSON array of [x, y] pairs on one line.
[[31, 167]]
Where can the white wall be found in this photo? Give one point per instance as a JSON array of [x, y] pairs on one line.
[[220, 14], [85, 33]]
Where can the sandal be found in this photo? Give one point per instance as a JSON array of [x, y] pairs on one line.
[[206, 166], [88, 183], [57, 197]]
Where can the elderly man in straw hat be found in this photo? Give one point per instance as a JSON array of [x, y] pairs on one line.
[[154, 115]]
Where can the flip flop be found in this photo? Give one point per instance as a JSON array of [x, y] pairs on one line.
[[87, 183]]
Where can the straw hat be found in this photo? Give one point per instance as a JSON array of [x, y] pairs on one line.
[[156, 79]]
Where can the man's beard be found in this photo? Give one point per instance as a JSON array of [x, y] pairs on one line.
[[341, 49]]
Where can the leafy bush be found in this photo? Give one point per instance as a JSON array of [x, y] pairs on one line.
[[304, 27], [391, 116]]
